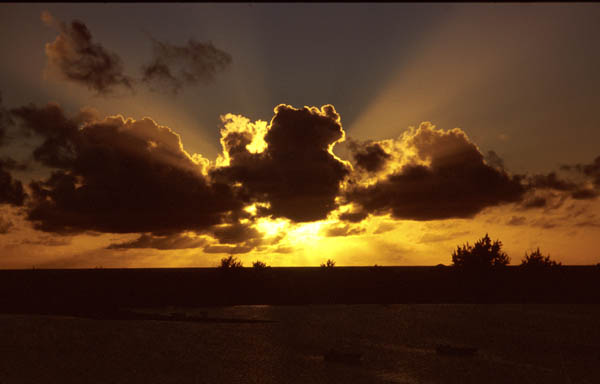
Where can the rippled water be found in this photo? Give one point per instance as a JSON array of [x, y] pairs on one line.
[[516, 344]]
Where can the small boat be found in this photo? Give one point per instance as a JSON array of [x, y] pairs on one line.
[[449, 350], [342, 357]]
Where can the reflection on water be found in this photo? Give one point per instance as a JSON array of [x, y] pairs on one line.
[[516, 344]]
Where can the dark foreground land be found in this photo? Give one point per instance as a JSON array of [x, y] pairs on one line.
[[280, 325], [102, 290], [516, 343]]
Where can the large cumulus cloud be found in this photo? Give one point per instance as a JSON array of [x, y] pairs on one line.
[[447, 177], [296, 174], [120, 175], [117, 175]]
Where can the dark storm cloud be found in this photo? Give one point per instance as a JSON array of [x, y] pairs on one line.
[[118, 176], [83, 61], [11, 190], [368, 156], [175, 66], [175, 241], [296, 174], [457, 183]]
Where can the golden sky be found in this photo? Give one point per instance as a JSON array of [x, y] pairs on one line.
[[176, 148]]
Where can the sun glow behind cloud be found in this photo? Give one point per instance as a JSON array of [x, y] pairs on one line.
[[272, 227], [376, 239], [303, 197]]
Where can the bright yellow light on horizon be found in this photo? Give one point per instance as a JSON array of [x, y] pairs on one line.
[[306, 233], [271, 227]]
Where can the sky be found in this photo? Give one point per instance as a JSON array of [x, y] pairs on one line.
[[173, 135]]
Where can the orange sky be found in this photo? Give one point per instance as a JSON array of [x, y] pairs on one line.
[[169, 149]]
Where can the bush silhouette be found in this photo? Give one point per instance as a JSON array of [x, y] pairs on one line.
[[485, 254], [259, 265], [328, 264], [230, 263], [536, 261]]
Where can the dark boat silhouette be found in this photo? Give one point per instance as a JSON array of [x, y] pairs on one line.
[[342, 357], [450, 350]]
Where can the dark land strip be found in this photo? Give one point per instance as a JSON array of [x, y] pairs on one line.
[[107, 293]]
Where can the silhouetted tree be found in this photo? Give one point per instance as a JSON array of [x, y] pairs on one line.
[[259, 265], [328, 264], [230, 262], [485, 254], [536, 261]]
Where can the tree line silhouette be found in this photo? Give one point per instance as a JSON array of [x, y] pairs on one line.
[[480, 274], [483, 255], [486, 255]]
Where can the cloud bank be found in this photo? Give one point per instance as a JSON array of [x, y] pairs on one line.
[[118, 175], [445, 177]]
